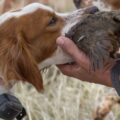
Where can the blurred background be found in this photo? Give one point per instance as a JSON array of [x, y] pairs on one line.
[[59, 5], [64, 98]]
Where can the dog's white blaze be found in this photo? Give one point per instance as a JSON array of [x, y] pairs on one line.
[[26, 10], [59, 57]]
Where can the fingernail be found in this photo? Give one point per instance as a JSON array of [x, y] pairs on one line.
[[60, 41]]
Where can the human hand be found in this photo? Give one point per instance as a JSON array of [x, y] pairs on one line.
[[80, 69]]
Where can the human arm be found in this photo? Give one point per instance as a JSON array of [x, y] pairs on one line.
[[80, 69]]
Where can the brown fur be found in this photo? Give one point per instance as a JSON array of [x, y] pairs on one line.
[[28, 40], [23, 43]]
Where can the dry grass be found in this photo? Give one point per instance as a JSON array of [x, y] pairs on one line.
[[64, 98]]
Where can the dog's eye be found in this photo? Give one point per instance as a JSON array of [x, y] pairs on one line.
[[52, 21]]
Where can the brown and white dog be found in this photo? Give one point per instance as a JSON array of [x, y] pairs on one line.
[[28, 41]]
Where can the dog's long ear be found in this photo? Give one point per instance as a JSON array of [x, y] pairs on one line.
[[19, 64]]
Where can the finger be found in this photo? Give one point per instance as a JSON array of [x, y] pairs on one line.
[[66, 69], [76, 71], [69, 47]]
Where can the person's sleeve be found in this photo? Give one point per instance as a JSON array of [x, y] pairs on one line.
[[115, 76]]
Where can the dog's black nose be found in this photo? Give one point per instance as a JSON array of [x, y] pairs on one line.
[[92, 10]]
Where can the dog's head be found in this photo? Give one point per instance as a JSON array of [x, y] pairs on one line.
[[28, 39]]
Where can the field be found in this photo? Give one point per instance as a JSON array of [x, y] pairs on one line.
[[63, 98]]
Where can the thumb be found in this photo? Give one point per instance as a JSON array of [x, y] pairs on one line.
[[70, 69], [66, 69], [69, 47]]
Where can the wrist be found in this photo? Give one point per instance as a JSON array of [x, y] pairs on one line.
[[103, 78]]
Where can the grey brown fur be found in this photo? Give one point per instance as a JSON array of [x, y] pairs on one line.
[[98, 35]]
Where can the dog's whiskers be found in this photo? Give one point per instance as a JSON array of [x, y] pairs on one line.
[[44, 70]]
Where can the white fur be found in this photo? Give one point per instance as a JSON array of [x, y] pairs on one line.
[[71, 19], [67, 27], [59, 57], [69, 23], [26, 10]]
